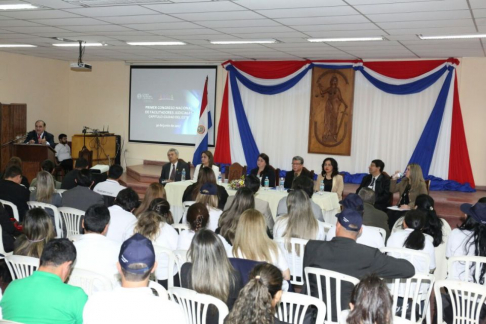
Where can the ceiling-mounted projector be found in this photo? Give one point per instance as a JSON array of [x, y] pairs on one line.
[[80, 67]]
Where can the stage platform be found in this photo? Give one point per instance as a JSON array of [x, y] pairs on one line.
[[446, 202]]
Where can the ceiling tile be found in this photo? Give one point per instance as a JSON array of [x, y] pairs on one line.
[[17, 23], [196, 7], [434, 31], [69, 22], [279, 4], [143, 19], [477, 4], [200, 31], [308, 12], [219, 16], [163, 26], [479, 13], [39, 14], [112, 11], [239, 23], [32, 30], [426, 24], [374, 2], [95, 28], [336, 27], [336, 34], [413, 7], [255, 30], [323, 20], [438, 15]]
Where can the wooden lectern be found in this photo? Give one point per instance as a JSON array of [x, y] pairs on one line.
[[32, 156]]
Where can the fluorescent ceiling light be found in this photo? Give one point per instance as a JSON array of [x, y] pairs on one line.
[[155, 43], [77, 44], [348, 39], [17, 6], [453, 36], [236, 42], [17, 45]]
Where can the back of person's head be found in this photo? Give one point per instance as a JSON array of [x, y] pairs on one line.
[[96, 218], [212, 273], [304, 183], [45, 187], [81, 163], [367, 195], [154, 190], [208, 195], [353, 201], [252, 182], [48, 165], [206, 175], [58, 251], [37, 231], [482, 200], [84, 178], [350, 223], [415, 220], [162, 207], [61, 136], [379, 164], [12, 172], [257, 300], [149, 224], [197, 216], [115, 171], [127, 199], [136, 258], [301, 222], [371, 302], [228, 221], [433, 224]]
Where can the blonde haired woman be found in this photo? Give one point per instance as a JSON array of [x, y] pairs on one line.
[[154, 190], [252, 242], [38, 230], [45, 191]]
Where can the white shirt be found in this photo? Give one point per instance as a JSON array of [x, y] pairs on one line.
[[95, 252], [63, 152], [374, 183], [369, 236], [198, 167], [108, 188], [131, 305], [185, 239], [456, 246], [120, 220]]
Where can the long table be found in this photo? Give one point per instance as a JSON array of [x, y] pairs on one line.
[[328, 201]]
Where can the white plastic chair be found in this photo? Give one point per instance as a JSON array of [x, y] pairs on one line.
[[327, 227], [173, 261], [467, 300], [292, 308], [294, 257], [185, 207], [440, 252], [21, 266], [161, 291], [472, 267], [14, 208], [180, 227], [181, 255], [413, 256], [379, 229], [60, 191], [195, 305], [90, 281], [72, 218], [57, 215], [338, 278]]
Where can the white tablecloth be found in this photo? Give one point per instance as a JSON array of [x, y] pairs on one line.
[[328, 201]]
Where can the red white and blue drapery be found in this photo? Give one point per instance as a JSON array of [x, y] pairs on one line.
[[436, 141]]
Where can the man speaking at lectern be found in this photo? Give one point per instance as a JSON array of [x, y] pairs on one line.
[[39, 135]]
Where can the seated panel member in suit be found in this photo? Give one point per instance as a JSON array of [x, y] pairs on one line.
[[172, 171], [333, 181], [297, 170], [207, 161], [377, 182], [39, 135], [263, 170]]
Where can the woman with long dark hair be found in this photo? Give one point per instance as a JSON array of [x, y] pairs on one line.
[[433, 224], [333, 181], [197, 219], [263, 170], [162, 207], [207, 161]]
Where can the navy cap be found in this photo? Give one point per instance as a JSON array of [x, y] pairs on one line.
[[476, 211], [137, 249], [353, 201], [350, 219], [209, 189]]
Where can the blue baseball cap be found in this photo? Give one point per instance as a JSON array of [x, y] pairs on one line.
[[137, 249], [209, 189], [353, 201], [350, 219], [476, 211]]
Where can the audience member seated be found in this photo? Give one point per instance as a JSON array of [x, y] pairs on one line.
[[45, 191], [16, 161], [228, 222], [263, 171], [134, 301], [258, 300], [172, 171], [206, 175], [81, 196], [207, 161], [69, 180], [297, 171], [210, 272], [208, 196], [153, 226], [252, 242], [37, 232], [9, 231], [96, 252], [49, 167], [162, 207], [342, 254], [44, 297], [333, 181], [121, 215], [197, 219], [110, 188], [253, 183], [379, 183], [154, 190], [373, 216], [11, 190], [63, 153], [368, 236], [39, 135], [433, 224], [306, 184]]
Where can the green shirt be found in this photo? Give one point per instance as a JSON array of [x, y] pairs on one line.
[[43, 298]]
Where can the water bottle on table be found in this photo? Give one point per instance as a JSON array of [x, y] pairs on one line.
[[281, 183], [321, 188], [266, 183], [219, 177], [183, 176]]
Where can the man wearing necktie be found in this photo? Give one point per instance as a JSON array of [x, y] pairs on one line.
[[297, 171], [39, 135], [172, 171], [379, 183]]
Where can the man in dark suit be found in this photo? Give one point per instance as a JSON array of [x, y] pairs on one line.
[[297, 171], [342, 254], [172, 171], [69, 180], [379, 183], [39, 135], [82, 197], [11, 190]]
